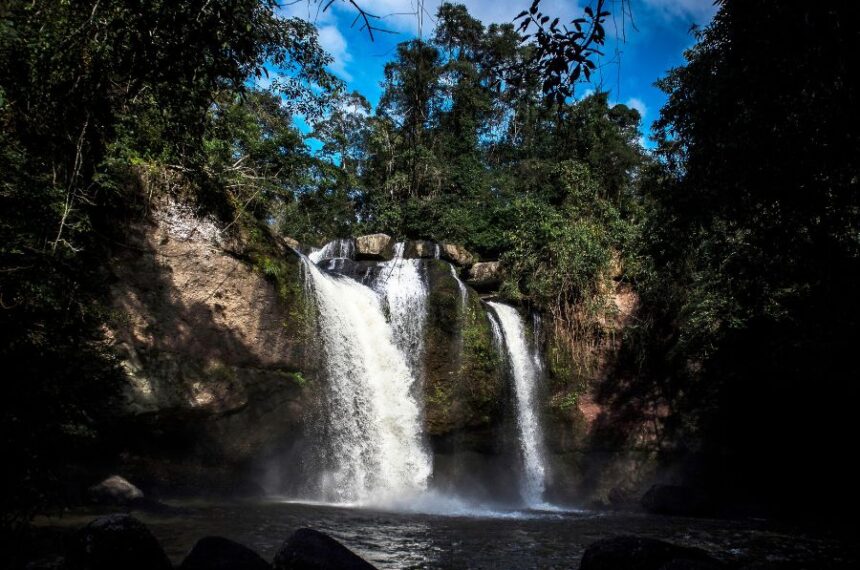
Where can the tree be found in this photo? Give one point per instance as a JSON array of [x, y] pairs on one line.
[[752, 234], [411, 100]]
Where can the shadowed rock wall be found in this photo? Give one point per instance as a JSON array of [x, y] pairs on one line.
[[212, 336]]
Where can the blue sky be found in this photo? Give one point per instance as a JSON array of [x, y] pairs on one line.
[[652, 44]]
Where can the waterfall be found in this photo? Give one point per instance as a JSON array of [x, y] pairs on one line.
[[371, 444], [510, 332], [498, 337], [537, 338], [370, 448], [464, 293], [402, 286], [338, 248]]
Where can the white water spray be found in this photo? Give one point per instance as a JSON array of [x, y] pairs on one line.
[[372, 449], [510, 331]]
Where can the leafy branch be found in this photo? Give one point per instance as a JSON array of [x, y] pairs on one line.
[[563, 55]]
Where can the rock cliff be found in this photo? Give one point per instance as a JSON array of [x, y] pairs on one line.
[[210, 333]]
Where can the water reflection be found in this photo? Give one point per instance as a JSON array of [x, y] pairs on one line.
[[479, 538]]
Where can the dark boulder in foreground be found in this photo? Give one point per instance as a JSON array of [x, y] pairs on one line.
[[308, 549], [217, 553], [638, 553], [116, 541], [675, 500]]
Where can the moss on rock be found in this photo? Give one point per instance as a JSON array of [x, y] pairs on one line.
[[463, 382]]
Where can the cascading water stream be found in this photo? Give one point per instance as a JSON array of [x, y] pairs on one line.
[[372, 449], [510, 332], [464, 293], [338, 248], [402, 286], [537, 337]]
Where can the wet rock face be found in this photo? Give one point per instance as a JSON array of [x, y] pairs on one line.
[[308, 549], [113, 542], [217, 553], [639, 553], [114, 490], [376, 247], [464, 383], [485, 276]]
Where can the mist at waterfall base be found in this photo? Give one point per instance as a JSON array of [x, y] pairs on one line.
[[365, 444]]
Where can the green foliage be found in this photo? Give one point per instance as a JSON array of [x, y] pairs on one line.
[[561, 251], [481, 364], [479, 354], [299, 379], [568, 401]]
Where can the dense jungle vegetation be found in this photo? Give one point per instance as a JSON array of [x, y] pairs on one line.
[[739, 231]]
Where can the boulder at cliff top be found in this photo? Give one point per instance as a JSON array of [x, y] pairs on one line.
[[217, 553], [308, 549], [485, 276], [457, 254], [377, 247], [114, 490], [116, 541], [639, 553]]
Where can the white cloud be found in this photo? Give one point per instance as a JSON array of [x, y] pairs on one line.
[[638, 104], [334, 43], [698, 11]]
